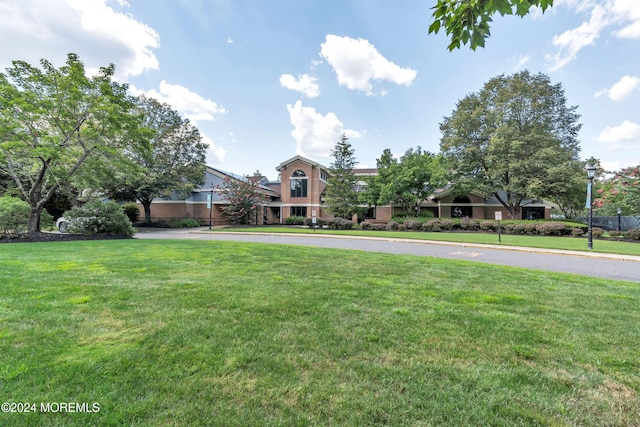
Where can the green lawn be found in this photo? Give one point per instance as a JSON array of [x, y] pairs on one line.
[[206, 333], [545, 242]]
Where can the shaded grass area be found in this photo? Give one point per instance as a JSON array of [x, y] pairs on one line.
[[224, 333], [544, 242]]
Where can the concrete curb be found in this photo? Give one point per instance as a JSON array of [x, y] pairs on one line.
[[619, 257]]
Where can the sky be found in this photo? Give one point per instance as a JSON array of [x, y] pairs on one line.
[[267, 80]]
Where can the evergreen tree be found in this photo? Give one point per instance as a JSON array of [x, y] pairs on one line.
[[341, 195]]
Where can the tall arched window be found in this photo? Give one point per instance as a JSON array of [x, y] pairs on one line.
[[298, 183]]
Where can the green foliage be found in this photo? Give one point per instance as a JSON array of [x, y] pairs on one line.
[[597, 232], [184, 223], [244, 199], [469, 21], [392, 226], [633, 234], [341, 196], [622, 190], [171, 165], [340, 224], [97, 217], [516, 139], [294, 220], [59, 127], [131, 211], [14, 215], [406, 182]]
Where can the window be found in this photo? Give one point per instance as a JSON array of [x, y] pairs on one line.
[[298, 183], [370, 214], [323, 176], [298, 211]]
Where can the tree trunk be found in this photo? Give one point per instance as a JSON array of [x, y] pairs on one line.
[[34, 219], [146, 204]]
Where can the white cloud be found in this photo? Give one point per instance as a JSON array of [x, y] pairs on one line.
[[620, 137], [357, 63], [304, 84], [622, 15], [621, 89], [572, 41], [215, 154], [230, 40], [520, 62], [188, 103], [315, 134], [33, 29]]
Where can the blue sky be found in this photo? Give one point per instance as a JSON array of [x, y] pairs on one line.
[[266, 80]]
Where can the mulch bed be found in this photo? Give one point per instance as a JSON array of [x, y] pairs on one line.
[[57, 237]]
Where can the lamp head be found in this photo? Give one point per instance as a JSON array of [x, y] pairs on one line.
[[591, 171], [619, 211]]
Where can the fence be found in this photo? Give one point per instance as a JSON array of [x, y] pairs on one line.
[[611, 222]]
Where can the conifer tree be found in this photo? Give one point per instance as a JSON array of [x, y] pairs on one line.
[[341, 195]]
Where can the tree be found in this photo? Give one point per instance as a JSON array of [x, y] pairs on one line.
[[173, 163], [622, 190], [516, 139], [411, 180], [58, 125], [244, 198], [468, 21], [341, 195], [406, 182]]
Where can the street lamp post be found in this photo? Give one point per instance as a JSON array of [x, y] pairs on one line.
[[210, 207], [619, 219], [591, 173]]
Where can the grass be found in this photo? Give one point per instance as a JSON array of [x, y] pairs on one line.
[[222, 333], [545, 242]]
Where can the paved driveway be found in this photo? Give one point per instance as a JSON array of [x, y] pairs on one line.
[[608, 266]]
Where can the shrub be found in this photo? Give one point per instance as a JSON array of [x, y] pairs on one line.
[[392, 226], [531, 228], [14, 215], [509, 228], [488, 226], [553, 228], [633, 234], [366, 225], [412, 224], [378, 227], [131, 211], [447, 224], [577, 232], [402, 227], [597, 232], [467, 223], [341, 224], [519, 228], [294, 220], [319, 222], [46, 221], [432, 225], [616, 234], [96, 217], [184, 223]]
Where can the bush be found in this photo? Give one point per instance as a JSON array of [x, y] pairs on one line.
[[96, 217], [392, 226], [432, 225], [616, 234], [319, 222], [488, 226], [553, 228], [184, 223], [294, 220], [46, 221], [447, 224], [14, 215], [471, 224], [402, 227], [341, 224], [597, 232], [530, 228], [366, 225], [412, 224], [131, 211], [633, 234], [509, 228], [577, 232]]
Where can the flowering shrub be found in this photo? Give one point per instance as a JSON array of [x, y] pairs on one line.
[[96, 217]]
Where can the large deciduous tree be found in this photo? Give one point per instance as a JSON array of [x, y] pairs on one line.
[[58, 125], [173, 163], [516, 139], [341, 195], [468, 21], [406, 182]]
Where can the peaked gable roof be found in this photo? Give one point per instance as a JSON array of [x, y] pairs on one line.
[[299, 158]]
